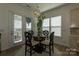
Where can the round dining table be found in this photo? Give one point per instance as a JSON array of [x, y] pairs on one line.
[[39, 48]]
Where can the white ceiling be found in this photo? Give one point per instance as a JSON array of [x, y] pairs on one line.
[[42, 6]]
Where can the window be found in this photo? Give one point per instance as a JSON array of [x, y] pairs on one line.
[[17, 28], [28, 26], [56, 25], [53, 24], [45, 24]]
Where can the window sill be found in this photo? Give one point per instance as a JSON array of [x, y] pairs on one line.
[[58, 36], [17, 41]]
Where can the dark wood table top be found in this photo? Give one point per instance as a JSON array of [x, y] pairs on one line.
[[36, 38]]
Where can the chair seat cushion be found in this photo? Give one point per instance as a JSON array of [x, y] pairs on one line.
[[46, 42], [34, 43]]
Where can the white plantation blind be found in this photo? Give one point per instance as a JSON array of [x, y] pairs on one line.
[[17, 21], [17, 28], [46, 24], [56, 21], [56, 25]]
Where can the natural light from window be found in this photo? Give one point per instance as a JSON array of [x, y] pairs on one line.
[[17, 28], [54, 26], [28, 26], [45, 24]]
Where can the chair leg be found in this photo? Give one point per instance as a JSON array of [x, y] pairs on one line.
[[25, 50], [49, 50], [30, 51], [52, 49], [45, 47]]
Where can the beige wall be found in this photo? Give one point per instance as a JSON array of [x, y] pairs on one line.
[[6, 14], [75, 17], [65, 12]]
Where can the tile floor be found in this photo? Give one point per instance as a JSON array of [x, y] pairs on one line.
[[20, 51]]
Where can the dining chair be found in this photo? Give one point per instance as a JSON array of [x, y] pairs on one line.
[[31, 31], [29, 43], [49, 44], [46, 33]]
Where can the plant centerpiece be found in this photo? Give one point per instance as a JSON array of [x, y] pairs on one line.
[[39, 24]]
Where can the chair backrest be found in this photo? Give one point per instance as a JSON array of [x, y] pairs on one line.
[[28, 38], [31, 31], [51, 37], [46, 33]]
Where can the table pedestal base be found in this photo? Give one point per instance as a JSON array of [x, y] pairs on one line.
[[39, 48]]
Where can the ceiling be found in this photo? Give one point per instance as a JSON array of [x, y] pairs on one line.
[[42, 6]]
